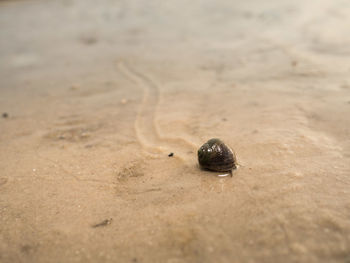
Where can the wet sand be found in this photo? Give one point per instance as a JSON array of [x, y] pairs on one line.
[[98, 95]]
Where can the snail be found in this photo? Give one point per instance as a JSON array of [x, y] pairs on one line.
[[215, 155]]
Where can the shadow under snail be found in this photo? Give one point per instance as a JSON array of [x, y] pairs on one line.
[[215, 155]]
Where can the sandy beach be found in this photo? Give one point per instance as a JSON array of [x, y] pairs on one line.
[[94, 95]]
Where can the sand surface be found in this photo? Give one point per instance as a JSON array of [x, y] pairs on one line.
[[98, 93]]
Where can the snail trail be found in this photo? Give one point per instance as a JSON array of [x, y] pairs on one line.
[[146, 128]]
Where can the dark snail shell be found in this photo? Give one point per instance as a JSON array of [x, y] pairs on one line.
[[216, 156]]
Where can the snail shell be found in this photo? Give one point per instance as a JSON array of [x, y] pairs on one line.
[[215, 155]]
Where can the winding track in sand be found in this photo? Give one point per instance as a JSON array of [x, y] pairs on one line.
[[147, 131]]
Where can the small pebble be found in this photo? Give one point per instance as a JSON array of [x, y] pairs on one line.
[[103, 223]]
